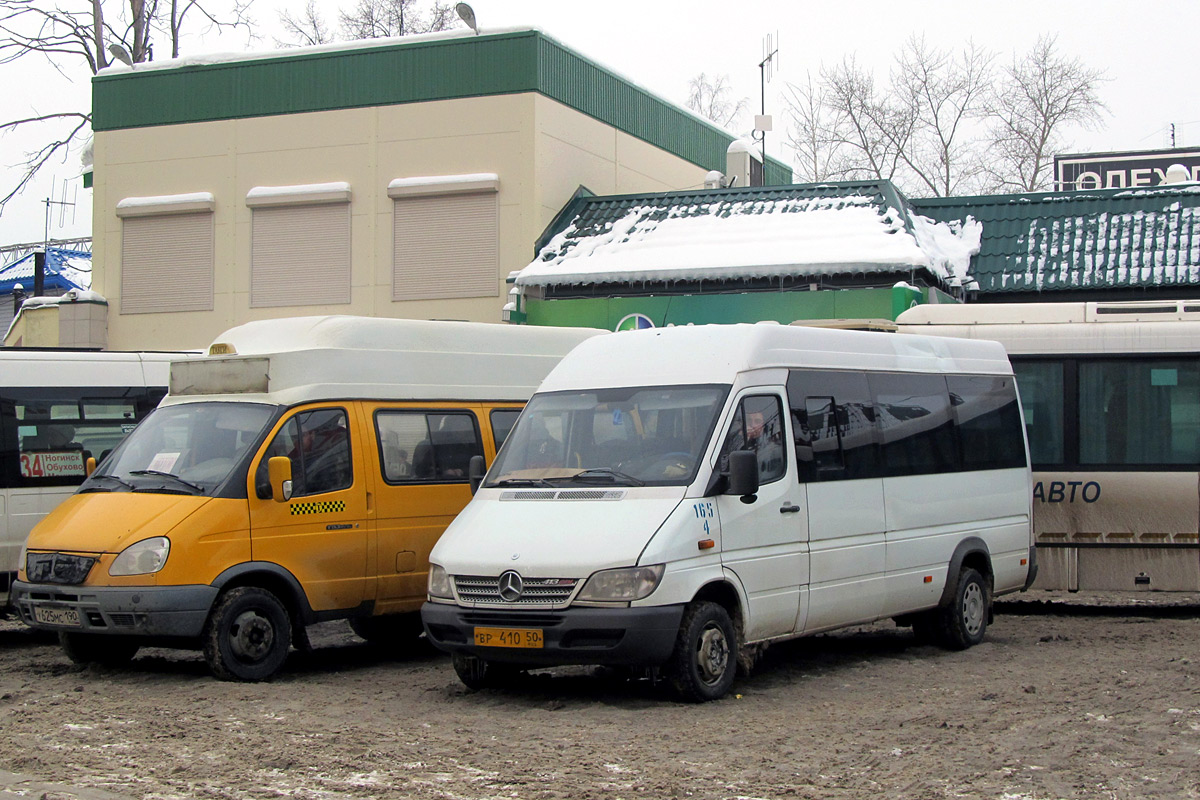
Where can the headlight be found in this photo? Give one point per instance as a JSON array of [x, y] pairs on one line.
[[143, 558], [626, 584], [439, 583], [22, 565]]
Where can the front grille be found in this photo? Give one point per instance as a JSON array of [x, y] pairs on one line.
[[58, 568], [534, 591], [564, 494]]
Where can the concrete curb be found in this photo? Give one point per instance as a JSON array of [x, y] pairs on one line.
[[14, 785]]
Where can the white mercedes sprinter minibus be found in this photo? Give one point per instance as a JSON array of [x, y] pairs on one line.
[[675, 498]]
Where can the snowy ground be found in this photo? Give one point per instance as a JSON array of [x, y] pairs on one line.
[[1063, 705]]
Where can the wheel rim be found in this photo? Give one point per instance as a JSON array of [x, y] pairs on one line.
[[712, 654], [973, 608], [251, 636]]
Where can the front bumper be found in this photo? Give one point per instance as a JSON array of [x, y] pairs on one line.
[[612, 636], [163, 611]]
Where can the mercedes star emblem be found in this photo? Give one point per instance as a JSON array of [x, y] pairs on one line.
[[511, 587]]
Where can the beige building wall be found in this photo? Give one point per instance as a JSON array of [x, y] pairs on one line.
[[541, 150]]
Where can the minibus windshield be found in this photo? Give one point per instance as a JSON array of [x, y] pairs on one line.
[[632, 436], [183, 449]]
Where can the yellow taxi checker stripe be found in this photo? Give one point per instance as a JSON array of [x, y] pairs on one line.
[[320, 507]]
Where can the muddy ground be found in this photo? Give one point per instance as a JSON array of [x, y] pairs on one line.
[[1053, 705]]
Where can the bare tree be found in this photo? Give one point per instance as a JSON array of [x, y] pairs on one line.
[[813, 132], [945, 123], [945, 94], [367, 19], [306, 29], [712, 99], [75, 36], [1041, 94]]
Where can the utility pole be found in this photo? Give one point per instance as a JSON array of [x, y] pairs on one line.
[[762, 123]]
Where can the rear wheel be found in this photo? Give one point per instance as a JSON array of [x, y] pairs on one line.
[[247, 635], [476, 673], [90, 648], [963, 621], [704, 662]]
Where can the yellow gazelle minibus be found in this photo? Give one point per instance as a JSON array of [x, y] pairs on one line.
[[301, 472]]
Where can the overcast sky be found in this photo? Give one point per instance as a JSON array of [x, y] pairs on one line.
[[1143, 47]]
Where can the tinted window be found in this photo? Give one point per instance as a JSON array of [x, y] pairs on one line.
[[833, 423], [915, 426], [1043, 391], [426, 446], [503, 420], [318, 445], [758, 427], [988, 420], [1139, 412]]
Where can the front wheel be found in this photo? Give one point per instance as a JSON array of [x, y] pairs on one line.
[[247, 635], [90, 648], [704, 662]]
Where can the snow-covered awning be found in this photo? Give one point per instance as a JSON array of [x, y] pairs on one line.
[[768, 232]]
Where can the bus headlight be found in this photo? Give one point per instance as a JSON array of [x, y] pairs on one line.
[[625, 584], [143, 558], [439, 583]]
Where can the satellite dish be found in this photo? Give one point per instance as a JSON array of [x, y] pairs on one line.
[[121, 54], [467, 15]]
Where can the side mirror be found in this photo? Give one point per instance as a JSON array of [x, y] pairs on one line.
[[279, 469], [89, 466], [476, 469], [743, 474]]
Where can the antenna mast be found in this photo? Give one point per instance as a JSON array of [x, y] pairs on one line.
[[766, 68]]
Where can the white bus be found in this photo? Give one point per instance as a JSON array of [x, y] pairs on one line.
[[1111, 393], [676, 498], [57, 409]]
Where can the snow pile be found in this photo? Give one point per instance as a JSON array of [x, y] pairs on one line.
[[753, 238]]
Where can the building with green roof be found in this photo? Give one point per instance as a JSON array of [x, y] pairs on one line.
[[395, 178]]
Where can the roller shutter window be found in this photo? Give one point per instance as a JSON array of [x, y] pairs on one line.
[[445, 247], [300, 255], [167, 263]]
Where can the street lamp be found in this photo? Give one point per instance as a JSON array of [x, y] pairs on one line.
[[121, 54], [467, 15]]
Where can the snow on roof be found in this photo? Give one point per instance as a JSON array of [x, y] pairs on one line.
[[760, 233], [65, 269]]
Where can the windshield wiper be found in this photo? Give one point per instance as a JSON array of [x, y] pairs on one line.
[[126, 484], [610, 473], [161, 474], [523, 482]]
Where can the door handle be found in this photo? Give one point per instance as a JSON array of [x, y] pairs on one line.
[[789, 509]]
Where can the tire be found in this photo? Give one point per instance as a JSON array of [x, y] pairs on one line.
[[247, 635], [91, 648], [393, 631], [476, 673], [963, 622], [704, 662]]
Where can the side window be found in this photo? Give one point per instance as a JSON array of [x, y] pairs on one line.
[[834, 424], [916, 430], [503, 420], [758, 426], [988, 421], [1134, 412], [1043, 389], [318, 444], [421, 446]]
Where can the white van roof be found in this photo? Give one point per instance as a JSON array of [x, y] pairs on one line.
[[305, 359], [717, 353], [74, 368]]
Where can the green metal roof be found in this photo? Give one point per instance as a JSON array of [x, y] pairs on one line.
[[1086, 241], [418, 70], [622, 239]]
